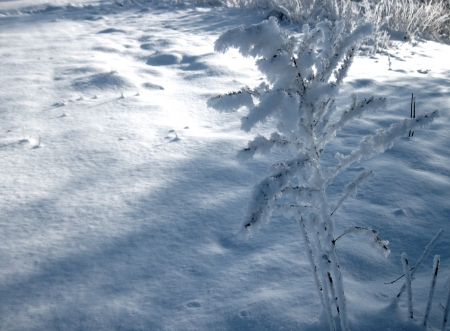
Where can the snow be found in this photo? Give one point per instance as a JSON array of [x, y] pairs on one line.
[[122, 194]]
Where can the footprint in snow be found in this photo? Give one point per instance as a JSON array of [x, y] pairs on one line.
[[77, 71], [193, 304], [111, 30], [164, 59], [194, 62], [30, 143], [171, 136], [151, 86], [149, 41], [148, 46], [145, 38], [59, 104], [93, 18], [105, 49], [196, 66], [245, 313], [399, 212]]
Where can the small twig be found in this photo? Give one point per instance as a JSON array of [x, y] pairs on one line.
[[279, 206], [413, 112], [421, 258], [350, 229], [398, 278], [412, 99]]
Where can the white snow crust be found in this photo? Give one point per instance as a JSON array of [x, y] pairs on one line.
[[121, 191]]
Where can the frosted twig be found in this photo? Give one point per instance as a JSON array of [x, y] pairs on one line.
[[263, 145], [314, 267], [341, 304], [447, 309], [232, 101], [383, 244], [407, 284], [333, 293], [436, 262], [270, 188], [350, 188], [378, 143], [413, 113], [396, 280], [357, 108], [421, 258]]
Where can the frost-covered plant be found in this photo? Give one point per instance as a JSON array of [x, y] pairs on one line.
[[303, 78], [305, 10], [426, 18], [412, 17]]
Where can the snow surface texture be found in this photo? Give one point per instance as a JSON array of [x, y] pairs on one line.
[[122, 193]]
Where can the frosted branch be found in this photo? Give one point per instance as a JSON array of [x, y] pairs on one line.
[[264, 39], [269, 104], [378, 143], [263, 145], [340, 48], [315, 268], [380, 243], [357, 108], [268, 190], [350, 188], [232, 101]]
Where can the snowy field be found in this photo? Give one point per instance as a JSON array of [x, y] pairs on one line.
[[121, 193]]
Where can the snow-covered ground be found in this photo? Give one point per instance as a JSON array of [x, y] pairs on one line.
[[121, 193]]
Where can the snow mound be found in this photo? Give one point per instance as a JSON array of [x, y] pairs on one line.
[[102, 81]]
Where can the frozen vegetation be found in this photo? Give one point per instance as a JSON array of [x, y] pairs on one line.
[[126, 204]]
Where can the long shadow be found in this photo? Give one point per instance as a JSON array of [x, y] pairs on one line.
[[159, 268], [155, 264]]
